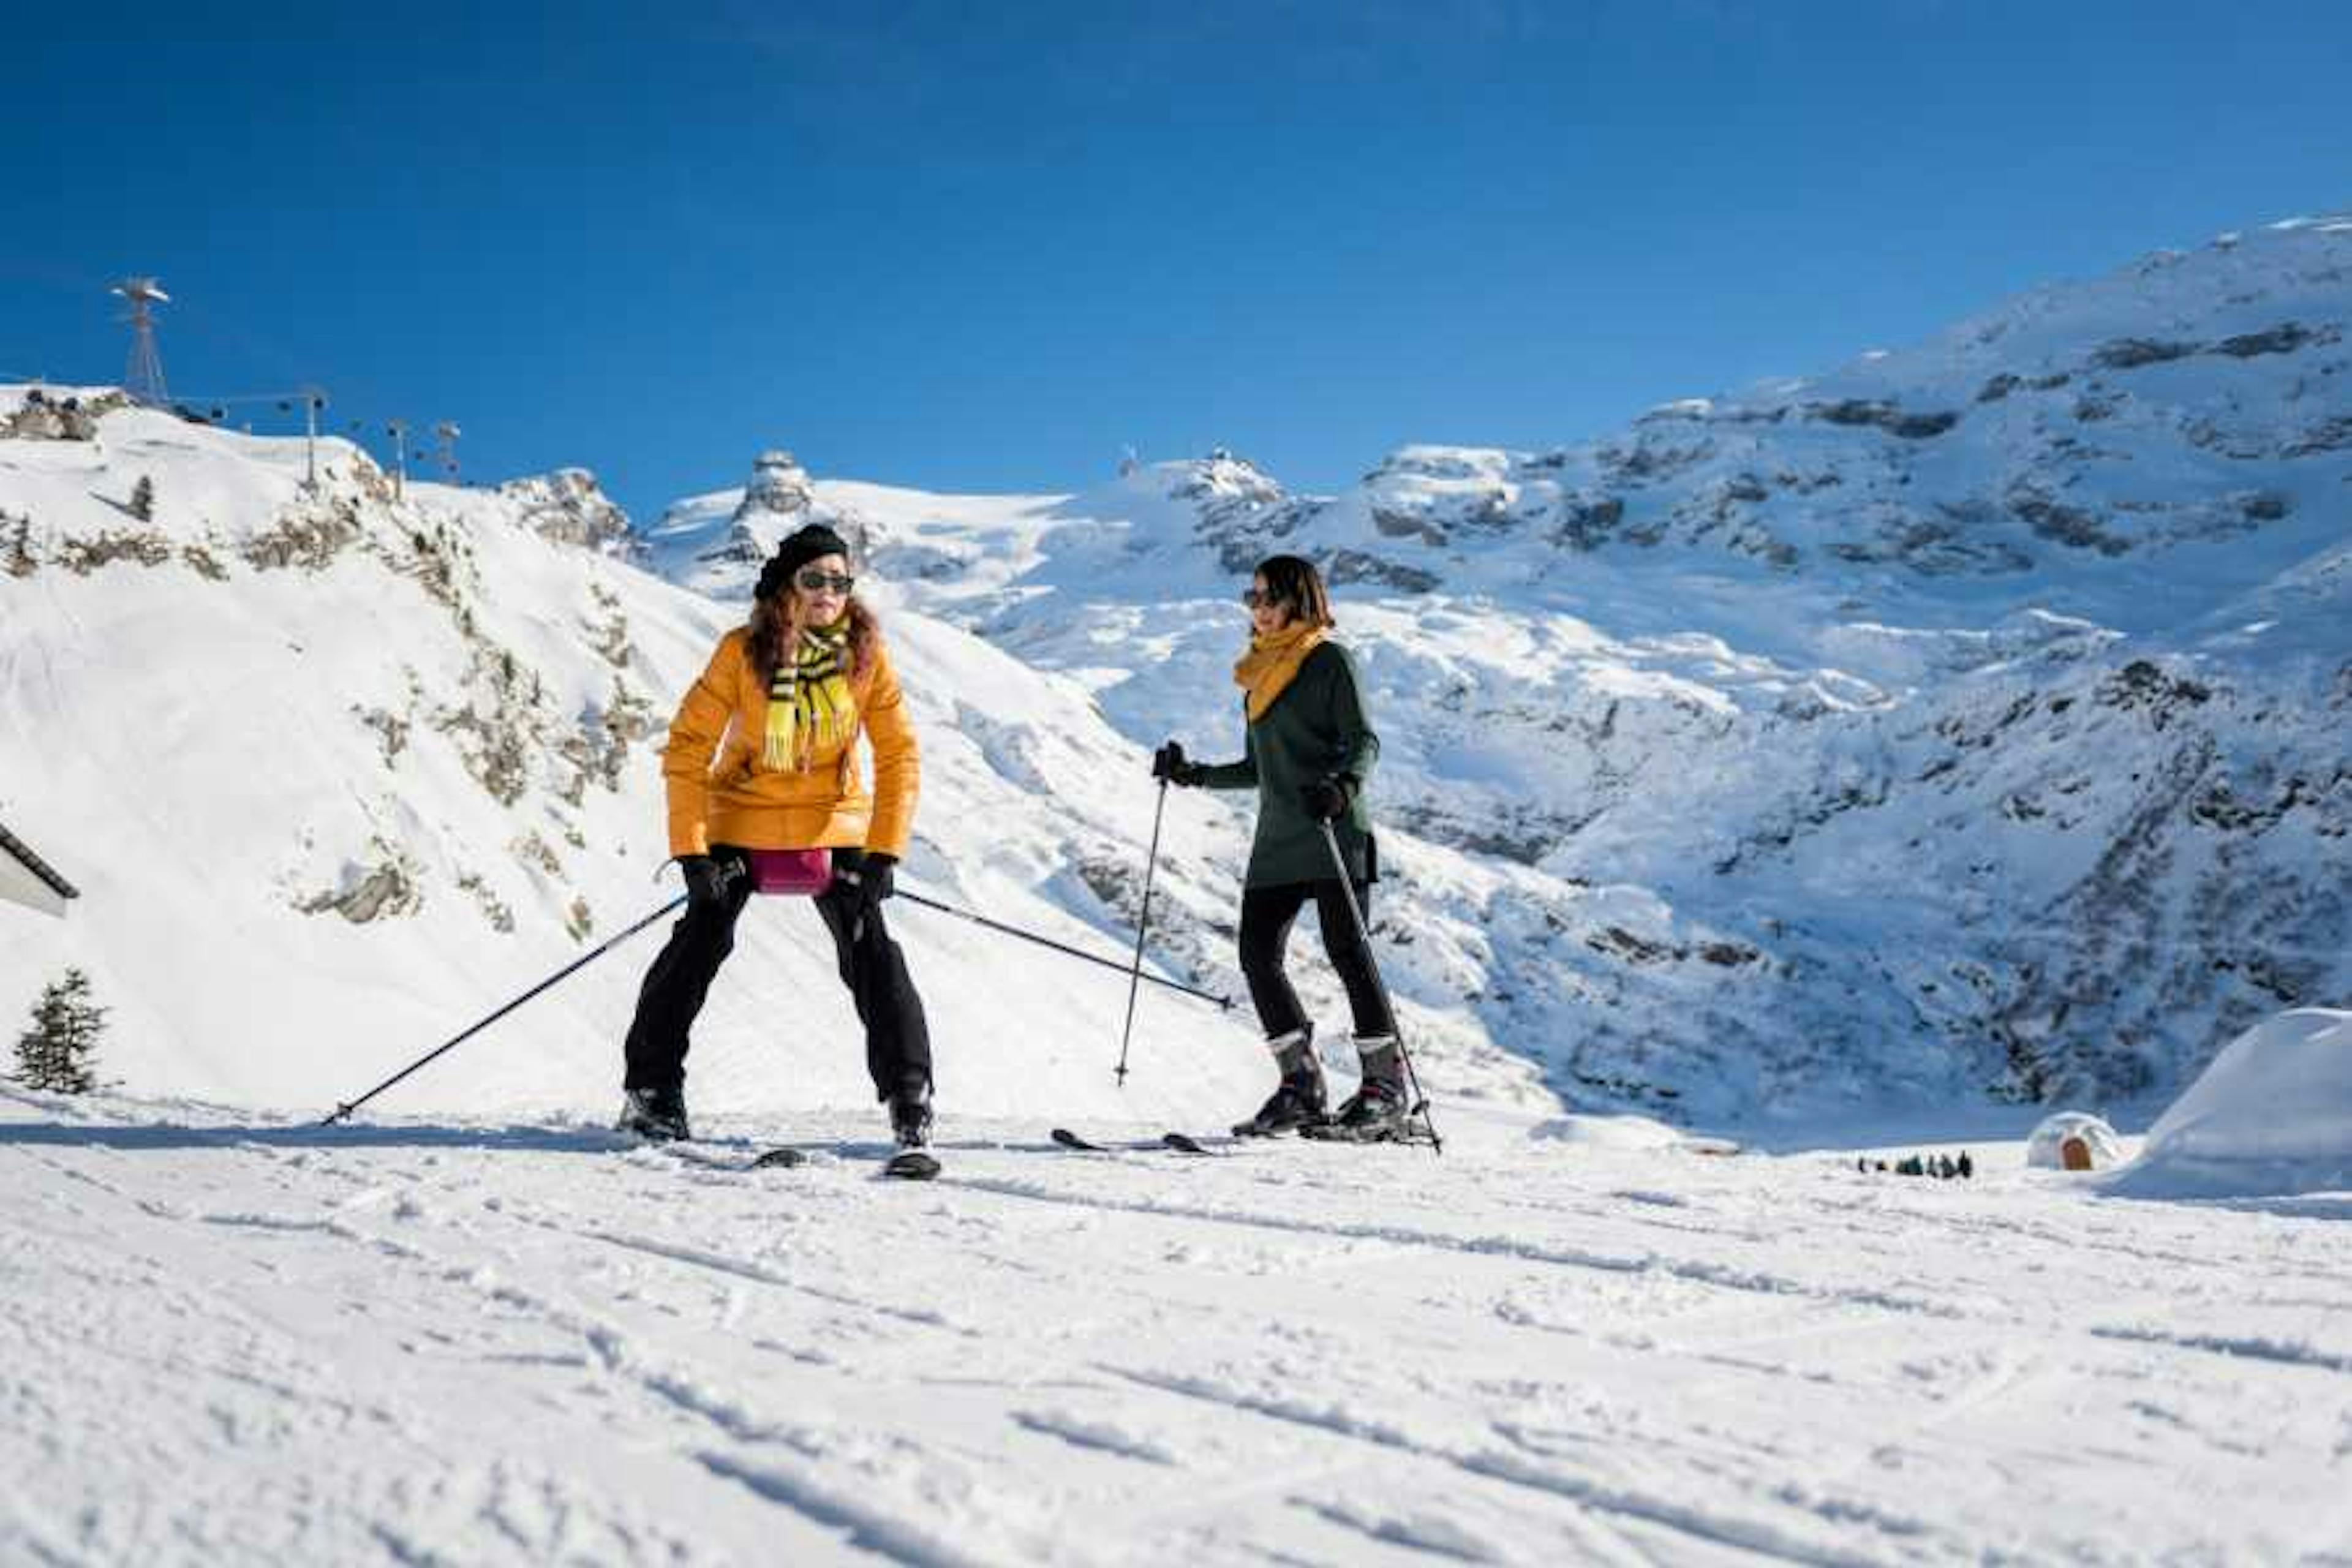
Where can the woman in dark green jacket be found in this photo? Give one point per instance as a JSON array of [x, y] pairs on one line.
[[1309, 753]]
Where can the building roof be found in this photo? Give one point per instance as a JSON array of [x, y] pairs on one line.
[[16, 849]]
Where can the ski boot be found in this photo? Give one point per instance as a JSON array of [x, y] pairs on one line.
[[657, 1115], [910, 1116], [1298, 1099], [1377, 1112]]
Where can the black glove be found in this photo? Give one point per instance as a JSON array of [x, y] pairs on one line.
[[708, 878], [870, 880], [1327, 799], [1169, 762]]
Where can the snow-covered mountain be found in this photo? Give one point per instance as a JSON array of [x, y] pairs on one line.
[[1969, 720]]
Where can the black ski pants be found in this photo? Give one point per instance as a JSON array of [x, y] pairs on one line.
[[1267, 914], [898, 1041]]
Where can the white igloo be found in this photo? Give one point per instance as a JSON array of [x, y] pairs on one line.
[[2073, 1140]]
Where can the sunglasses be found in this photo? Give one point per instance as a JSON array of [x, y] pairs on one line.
[[813, 580], [1256, 600]]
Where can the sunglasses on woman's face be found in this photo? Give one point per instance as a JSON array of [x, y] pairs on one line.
[[814, 579], [1257, 600]]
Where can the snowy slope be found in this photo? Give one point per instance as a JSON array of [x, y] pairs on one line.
[[1969, 720], [478, 1341]]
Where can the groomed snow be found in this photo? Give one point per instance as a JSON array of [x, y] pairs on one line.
[[516, 1341]]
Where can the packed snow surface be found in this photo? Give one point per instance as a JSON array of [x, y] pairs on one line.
[[521, 1341]]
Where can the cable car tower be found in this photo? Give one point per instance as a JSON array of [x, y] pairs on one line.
[[144, 377]]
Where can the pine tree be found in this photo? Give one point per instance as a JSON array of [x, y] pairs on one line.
[[58, 1054], [17, 547]]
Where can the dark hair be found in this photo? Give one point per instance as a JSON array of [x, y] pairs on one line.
[[774, 630], [1293, 580]]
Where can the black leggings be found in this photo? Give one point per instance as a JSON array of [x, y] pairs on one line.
[[898, 1041], [1267, 916]]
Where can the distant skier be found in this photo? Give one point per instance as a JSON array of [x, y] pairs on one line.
[[1308, 753], [761, 756]]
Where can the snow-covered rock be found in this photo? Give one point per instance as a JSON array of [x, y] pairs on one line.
[[569, 508]]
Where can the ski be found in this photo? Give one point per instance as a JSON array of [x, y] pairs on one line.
[[1335, 1132], [1181, 1142], [777, 1159]]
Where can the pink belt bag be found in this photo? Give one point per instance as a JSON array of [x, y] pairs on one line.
[[792, 872]]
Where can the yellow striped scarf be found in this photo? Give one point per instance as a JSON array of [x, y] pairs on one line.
[[809, 699]]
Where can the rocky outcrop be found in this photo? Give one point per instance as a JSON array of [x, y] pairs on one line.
[[778, 486], [569, 508], [44, 415]]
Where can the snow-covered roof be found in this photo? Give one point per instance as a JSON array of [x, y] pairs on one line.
[[26, 879]]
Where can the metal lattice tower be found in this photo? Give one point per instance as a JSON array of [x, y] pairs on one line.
[[144, 377]]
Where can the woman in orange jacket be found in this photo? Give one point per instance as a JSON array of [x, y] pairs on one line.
[[763, 757]]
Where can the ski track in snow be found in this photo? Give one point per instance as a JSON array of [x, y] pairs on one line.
[[361, 1349]]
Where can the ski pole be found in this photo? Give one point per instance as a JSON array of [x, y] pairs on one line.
[[1142, 923], [1364, 935], [1226, 1002], [344, 1111]]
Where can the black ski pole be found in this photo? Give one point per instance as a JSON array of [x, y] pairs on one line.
[[1226, 1002], [344, 1111], [1142, 923], [1364, 935]]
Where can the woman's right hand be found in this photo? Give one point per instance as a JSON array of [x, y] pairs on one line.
[[708, 878], [1169, 762]]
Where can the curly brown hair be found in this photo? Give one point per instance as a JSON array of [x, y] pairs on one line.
[[773, 628]]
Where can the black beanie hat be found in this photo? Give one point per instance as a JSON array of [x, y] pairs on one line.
[[799, 548]]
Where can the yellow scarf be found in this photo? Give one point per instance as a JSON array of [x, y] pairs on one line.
[[1273, 662], [809, 699]]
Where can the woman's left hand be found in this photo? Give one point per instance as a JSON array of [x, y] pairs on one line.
[[1325, 799], [872, 878]]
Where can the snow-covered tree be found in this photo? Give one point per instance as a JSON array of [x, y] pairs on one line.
[[59, 1053]]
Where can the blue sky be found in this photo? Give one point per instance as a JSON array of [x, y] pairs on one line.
[[973, 248]]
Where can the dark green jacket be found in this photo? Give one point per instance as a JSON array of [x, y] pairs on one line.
[[1316, 729]]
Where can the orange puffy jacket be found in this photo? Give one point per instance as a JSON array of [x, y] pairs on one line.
[[722, 793]]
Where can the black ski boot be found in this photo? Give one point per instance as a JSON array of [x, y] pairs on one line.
[[910, 1116], [656, 1114], [1296, 1102], [1376, 1112], [1298, 1099]]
